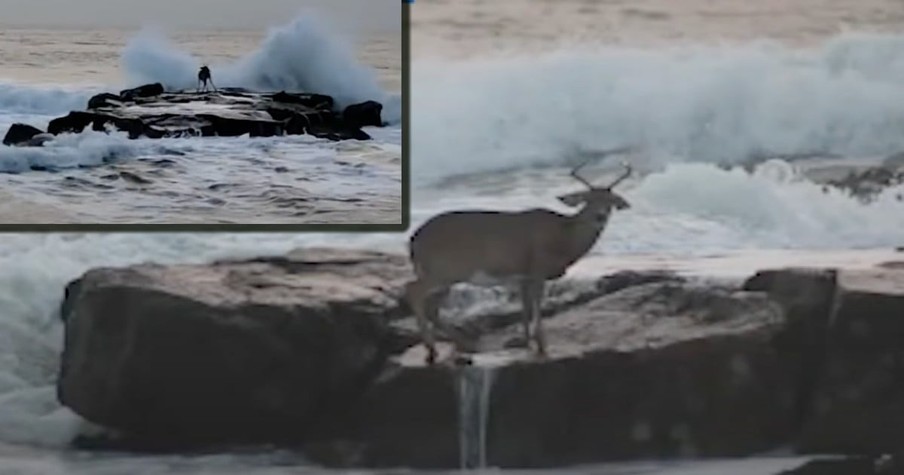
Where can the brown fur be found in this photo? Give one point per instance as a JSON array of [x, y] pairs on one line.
[[529, 247]]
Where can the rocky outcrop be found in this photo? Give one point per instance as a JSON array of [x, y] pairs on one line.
[[858, 407], [316, 350], [855, 375], [20, 133], [150, 111], [147, 90], [653, 370], [234, 352]]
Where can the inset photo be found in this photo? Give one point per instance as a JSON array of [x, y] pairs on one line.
[[207, 115]]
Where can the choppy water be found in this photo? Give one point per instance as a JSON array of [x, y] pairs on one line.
[[501, 102], [45, 73]]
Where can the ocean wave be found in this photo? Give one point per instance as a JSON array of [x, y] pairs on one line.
[[22, 99], [687, 103]]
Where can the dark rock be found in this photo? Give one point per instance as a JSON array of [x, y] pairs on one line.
[[364, 114], [808, 297], [147, 90], [75, 122], [104, 99], [865, 185], [851, 335], [858, 408], [656, 370], [313, 101], [20, 133], [337, 134], [407, 418], [237, 351], [234, 127]]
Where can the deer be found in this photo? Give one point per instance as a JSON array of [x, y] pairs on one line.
[[490, 247], [204, 77]]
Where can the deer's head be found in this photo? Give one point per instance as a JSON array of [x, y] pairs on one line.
[[599, 199]]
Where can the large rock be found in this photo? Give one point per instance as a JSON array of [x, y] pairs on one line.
[[654, 370], [147, 90], [852, 327], [74, 122], [20, 133], [104, 99], [859, 406], [242, 351], [367, 113]]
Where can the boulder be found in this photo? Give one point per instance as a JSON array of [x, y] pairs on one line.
[[364, 114], [247, 351], [337, 133], [858, 407], [74, 122], [20, 133], [234, 127], [104, 99], [147, 90], [662, 369], [851, 328]]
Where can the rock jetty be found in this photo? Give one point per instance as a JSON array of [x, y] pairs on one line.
[[151, 112]]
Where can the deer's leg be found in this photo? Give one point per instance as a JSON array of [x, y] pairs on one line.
[[417, 294], [432, 306], [535, 293]]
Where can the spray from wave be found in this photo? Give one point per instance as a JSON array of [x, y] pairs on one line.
[[700, 103], [24, 100], [304, 55]]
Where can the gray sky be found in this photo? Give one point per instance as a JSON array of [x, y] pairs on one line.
[[255, 14]]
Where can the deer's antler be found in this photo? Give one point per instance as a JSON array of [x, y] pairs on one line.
[[574, 174], [622, 177]]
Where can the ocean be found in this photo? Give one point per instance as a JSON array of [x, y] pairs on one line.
[[506, 95], [46, 72]]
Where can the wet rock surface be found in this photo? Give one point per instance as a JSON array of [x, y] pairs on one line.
[[19, 133], [641, 365], [151, 112], [232, 352]]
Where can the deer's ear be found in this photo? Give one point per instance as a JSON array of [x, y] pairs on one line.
[[574, 199]]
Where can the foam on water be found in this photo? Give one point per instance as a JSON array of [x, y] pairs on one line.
[[33, 272]]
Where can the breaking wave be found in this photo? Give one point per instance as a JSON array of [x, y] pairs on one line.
[[687, 103], [304, 55]]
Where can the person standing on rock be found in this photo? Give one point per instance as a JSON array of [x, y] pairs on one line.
[[204, 77]]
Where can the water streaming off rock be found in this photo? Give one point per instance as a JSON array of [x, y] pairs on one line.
[[474, 385]]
